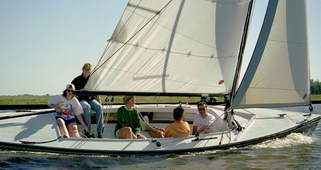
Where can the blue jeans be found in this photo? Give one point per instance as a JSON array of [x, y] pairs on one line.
[[96, 106]]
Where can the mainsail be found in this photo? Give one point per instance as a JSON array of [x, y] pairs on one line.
[[173, 47], [278, 73]]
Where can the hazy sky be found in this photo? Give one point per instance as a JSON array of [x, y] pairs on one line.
[[44, 43]]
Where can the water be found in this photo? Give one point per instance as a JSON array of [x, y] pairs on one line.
[[296, 151]]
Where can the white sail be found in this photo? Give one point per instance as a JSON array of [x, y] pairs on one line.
[[178, 46], [278, 73]]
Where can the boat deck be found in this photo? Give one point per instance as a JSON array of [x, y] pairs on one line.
[[41, 133]]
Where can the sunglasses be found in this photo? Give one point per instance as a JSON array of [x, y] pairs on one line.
[[70, 91], [200, 109]]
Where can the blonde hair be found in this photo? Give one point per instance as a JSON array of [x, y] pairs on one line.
[[127, 98], [87, 66]]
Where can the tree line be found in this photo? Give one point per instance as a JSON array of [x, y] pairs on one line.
[[315, 86]]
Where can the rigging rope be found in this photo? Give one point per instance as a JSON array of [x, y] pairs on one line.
[[32, 142], [106, 49]]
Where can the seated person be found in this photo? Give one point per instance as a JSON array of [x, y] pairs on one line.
[[67, 107], [89, 103], [179, 128], [203, 121], [128, 121]]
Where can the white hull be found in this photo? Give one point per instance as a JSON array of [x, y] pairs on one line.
[[41, 133]]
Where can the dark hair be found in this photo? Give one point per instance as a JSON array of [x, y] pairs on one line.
[[201, 104], [178, 113], [64, 93]]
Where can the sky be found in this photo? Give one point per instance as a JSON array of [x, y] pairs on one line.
[[44, 43]]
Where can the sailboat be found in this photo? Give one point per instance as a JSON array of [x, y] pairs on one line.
[[191, 48]]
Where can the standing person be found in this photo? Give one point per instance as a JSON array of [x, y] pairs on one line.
[[128, 123], [67, 107], [179, 128], [203, 121], [89, 102]]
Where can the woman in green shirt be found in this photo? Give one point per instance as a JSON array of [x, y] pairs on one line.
[[128, 123]]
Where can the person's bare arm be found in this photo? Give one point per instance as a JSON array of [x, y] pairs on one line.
[[81, 120], [204, 128], [55, 107], [194, 130]]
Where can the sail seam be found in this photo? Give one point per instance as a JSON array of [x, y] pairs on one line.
[[289, 42], [265, 88], [176, 32], [174, 52]]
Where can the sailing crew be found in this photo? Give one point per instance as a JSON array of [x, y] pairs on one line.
[[89, 103], [179, 128], [203, 121], [128, 121], [67, 107]]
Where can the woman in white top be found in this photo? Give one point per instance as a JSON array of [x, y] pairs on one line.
[[203, 121], [67, 107]]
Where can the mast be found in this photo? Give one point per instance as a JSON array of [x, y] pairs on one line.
[[228, 113], [240, 56]]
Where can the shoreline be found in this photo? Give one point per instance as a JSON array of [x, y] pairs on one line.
[[44, 106]]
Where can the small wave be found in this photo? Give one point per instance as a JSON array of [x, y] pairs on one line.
[[293, 139]]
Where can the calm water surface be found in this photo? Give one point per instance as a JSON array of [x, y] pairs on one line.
[[296, 151]]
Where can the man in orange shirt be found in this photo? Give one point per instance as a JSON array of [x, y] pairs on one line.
[[179, 128]]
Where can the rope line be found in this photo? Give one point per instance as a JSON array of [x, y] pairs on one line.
[[32, 142]]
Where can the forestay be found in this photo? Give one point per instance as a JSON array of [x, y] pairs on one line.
[[278, 73], [173, 46]]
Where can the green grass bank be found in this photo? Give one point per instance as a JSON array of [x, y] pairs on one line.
[[40, 100]]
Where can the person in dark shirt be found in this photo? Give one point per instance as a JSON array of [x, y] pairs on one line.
[[89, 102]]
